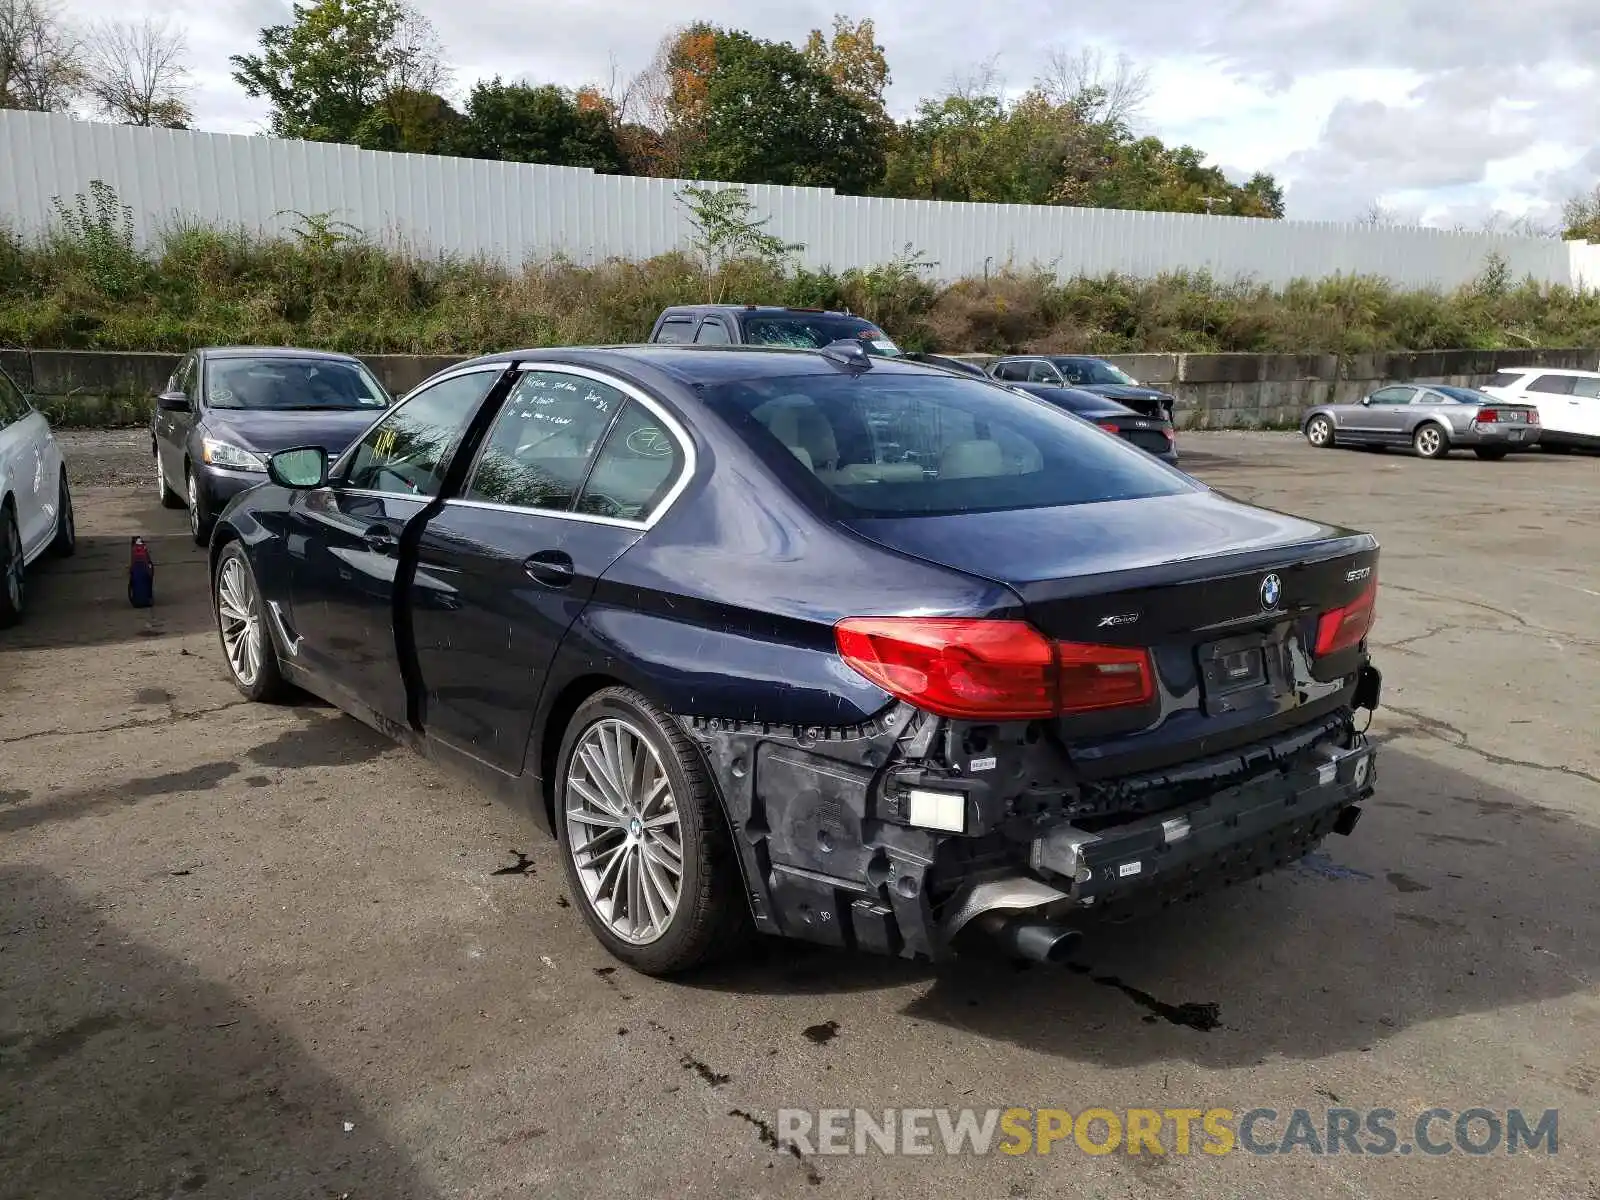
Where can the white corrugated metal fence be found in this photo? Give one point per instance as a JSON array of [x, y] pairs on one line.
[[515, 213]]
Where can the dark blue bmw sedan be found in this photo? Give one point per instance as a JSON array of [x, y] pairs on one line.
[[817, 644]]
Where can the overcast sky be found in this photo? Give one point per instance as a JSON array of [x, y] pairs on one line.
[[1445, 111]]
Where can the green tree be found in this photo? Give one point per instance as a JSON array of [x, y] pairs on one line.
[[410, 122], [1058, 146], [325, 71], [518, 122], [1581, 215], [854, 60], [769, 116]]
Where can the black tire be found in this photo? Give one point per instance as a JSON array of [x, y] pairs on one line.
[[169, 498], [712, 918], [1319, 432], [1431, 440], [268, 686], [66, 541], [1491, 453], [201, 519], [13, 585]]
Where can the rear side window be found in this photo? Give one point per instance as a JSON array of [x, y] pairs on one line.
[[1555, 385], [635, 469], [906, 445], [1014, 371], [676, 331]]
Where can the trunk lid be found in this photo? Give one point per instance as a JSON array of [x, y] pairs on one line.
[[1225, 596]]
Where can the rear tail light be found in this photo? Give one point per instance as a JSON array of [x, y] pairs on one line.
[[1489, 416], [1533, 416], [1169, 435], [1108, 426], [980, 669], [1341, 628]]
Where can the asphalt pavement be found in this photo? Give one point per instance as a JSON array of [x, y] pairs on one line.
[[251, 951]]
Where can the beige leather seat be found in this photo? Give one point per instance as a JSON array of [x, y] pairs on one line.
[[972, 460]]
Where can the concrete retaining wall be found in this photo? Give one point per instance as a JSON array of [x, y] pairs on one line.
[[1215, 391]]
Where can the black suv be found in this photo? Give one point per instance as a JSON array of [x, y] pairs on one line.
[[767, 325]]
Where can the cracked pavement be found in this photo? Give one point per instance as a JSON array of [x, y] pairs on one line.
[[250, 951]]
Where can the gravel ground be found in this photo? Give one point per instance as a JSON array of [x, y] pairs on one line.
[[106, 457]]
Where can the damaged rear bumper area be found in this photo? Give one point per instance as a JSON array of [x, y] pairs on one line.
[[895, 838]]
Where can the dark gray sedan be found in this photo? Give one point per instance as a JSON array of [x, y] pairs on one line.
[[1433, 419]]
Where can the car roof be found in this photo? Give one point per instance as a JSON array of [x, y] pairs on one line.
[[694, 309], [1547, 371], [1454, 392], [274, 352], [702, 364]]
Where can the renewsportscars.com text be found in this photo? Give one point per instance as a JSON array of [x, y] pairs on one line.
[[1182, 1131]]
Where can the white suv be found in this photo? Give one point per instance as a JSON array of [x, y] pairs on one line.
[[1568, 403]]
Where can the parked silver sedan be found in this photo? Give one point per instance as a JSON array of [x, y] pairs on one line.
[[1433, 419]]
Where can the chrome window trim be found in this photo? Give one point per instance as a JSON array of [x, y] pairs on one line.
[[674, 427], [425, 385]]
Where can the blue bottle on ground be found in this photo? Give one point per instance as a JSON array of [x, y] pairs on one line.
[[141, 576]]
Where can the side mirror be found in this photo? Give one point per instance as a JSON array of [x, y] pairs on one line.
[[1366, 400], [305, 467], [174, 402]]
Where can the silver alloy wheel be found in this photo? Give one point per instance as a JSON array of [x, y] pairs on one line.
[[1317, 434], [13, 564], [194, 502], [239, 617], [1429, 439], [623, 831]]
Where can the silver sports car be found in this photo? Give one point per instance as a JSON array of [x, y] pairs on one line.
[[1433, 419]]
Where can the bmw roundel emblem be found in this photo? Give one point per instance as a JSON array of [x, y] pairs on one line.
[[1271, 591]]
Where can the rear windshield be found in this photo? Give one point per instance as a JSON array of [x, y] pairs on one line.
[[884, 445], [812, 331], [1463, 395], [291, 383]]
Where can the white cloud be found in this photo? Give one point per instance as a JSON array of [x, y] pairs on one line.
[[1445, 109]]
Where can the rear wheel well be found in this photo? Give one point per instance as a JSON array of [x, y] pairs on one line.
[[556, 719]]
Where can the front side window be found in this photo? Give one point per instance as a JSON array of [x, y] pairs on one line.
[[539, 450], [406, 453], [288, 384], [1583, 385], [712, 333], [901, 445], [1015, 372], [1398, 395]]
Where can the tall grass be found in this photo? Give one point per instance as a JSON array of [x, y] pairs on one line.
[[87, 287]]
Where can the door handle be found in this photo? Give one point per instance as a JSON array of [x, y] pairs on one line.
[[379, 538], [553, 568]]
